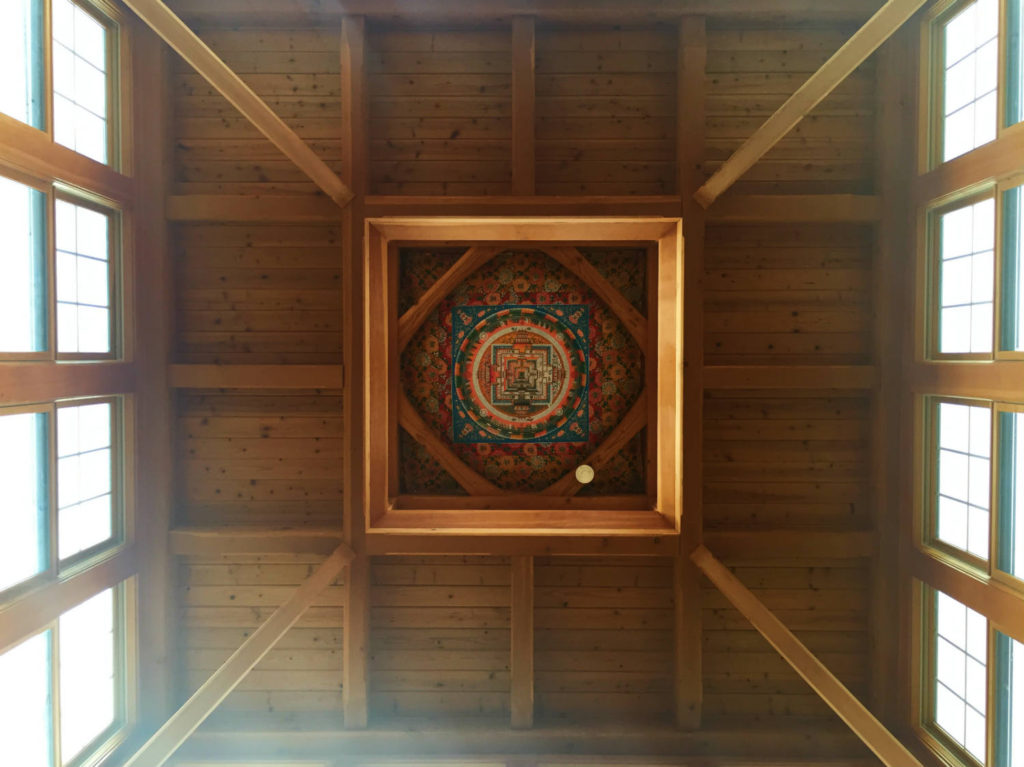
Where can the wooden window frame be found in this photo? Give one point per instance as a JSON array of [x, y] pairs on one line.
[[932, 93], [1015, 582], [385, 514], [930, 282], [122, 506]]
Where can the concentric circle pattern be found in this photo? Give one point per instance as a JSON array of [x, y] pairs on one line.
[[519, 373]]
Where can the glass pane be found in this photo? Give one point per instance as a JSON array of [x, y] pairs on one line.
[[1009, 735], [25, 704], [964, 477], [1012, 336], [81, 83], [1014, 61], [22, 268], [85, 502], [967, 279], [24, 521], [21, 59], [83, 279], [969, 78], [87, 680], [959, 683], [1011, 493]]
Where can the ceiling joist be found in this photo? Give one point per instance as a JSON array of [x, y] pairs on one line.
[[183, 40], [851, 55]]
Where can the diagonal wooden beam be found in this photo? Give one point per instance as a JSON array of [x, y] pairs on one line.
[[626, 429], [410, 420], [158, 749], [182, 39], [851, 55], [468, 263], [577, 263], [864, 725]]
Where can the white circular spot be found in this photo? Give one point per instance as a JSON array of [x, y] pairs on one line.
[[584, 474]]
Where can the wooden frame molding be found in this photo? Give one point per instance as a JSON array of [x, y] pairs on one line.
[[183, 40], [851, 55], [159, 748], [389, 513], [864, 725]]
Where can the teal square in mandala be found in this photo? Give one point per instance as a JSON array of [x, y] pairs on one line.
[[520, 373]]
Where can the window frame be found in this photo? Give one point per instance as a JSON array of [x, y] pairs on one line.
[[122, 505], [933, 272], [932, 91], [1003, 186], [1014, 582]]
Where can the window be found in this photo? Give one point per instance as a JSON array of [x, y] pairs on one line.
[[1010, 530], [24, 497], [968, 60], [1015, 61], [82, 49], [71, 484], [80, 80], [1012, 256], [958, 674], [965, 279], [83, 279], [963, 478], [21, 88], [1009, 739], [52, 722], [23, 268]]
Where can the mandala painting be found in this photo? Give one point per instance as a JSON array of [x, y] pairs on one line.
[[520, 373]]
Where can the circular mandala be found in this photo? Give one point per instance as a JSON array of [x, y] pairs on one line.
[[519, 373]]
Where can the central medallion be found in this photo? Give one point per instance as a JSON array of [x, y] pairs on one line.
[[520, 373]]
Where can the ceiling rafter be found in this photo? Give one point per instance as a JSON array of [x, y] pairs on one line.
[[841, 65], [183, 40], [159, 748]]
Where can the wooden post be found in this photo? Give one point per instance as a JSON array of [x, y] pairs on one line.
[[688, 607], [522, 643], [355, 152], [883, 743], [523, 105]]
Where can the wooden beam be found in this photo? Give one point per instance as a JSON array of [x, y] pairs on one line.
[[992, 380], [159, 748], [410, 420], [636, 502], [581, 521], [46, 603], [468, 263], [241, 208], [884, 745], [355, 655], [523, 105], [183, 40], [256, 376], [851, 55], [24, 382], [37, 155], [989, 162], [215, 541], [796, 208], [417, 543], [844, 377], [1003, 606], [576, 263], [498, 230], [522, 643], [624, 431], [542, 205], [688, 602]]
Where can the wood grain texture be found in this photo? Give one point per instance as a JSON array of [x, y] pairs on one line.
[[522, 660], [176, 34]]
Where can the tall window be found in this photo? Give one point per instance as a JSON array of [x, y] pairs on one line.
[[23, 268], [80, 80], [1010, 504], [1009, 740], [1012, 252], [963, 481], [71, 486], [83, 279], [965, 279], [63, 693], [82, 48], [969, 63], [1015, 61]]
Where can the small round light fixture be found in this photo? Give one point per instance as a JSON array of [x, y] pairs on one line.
[[584, 474]]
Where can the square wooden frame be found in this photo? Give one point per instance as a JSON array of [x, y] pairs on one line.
[[524, 514]]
